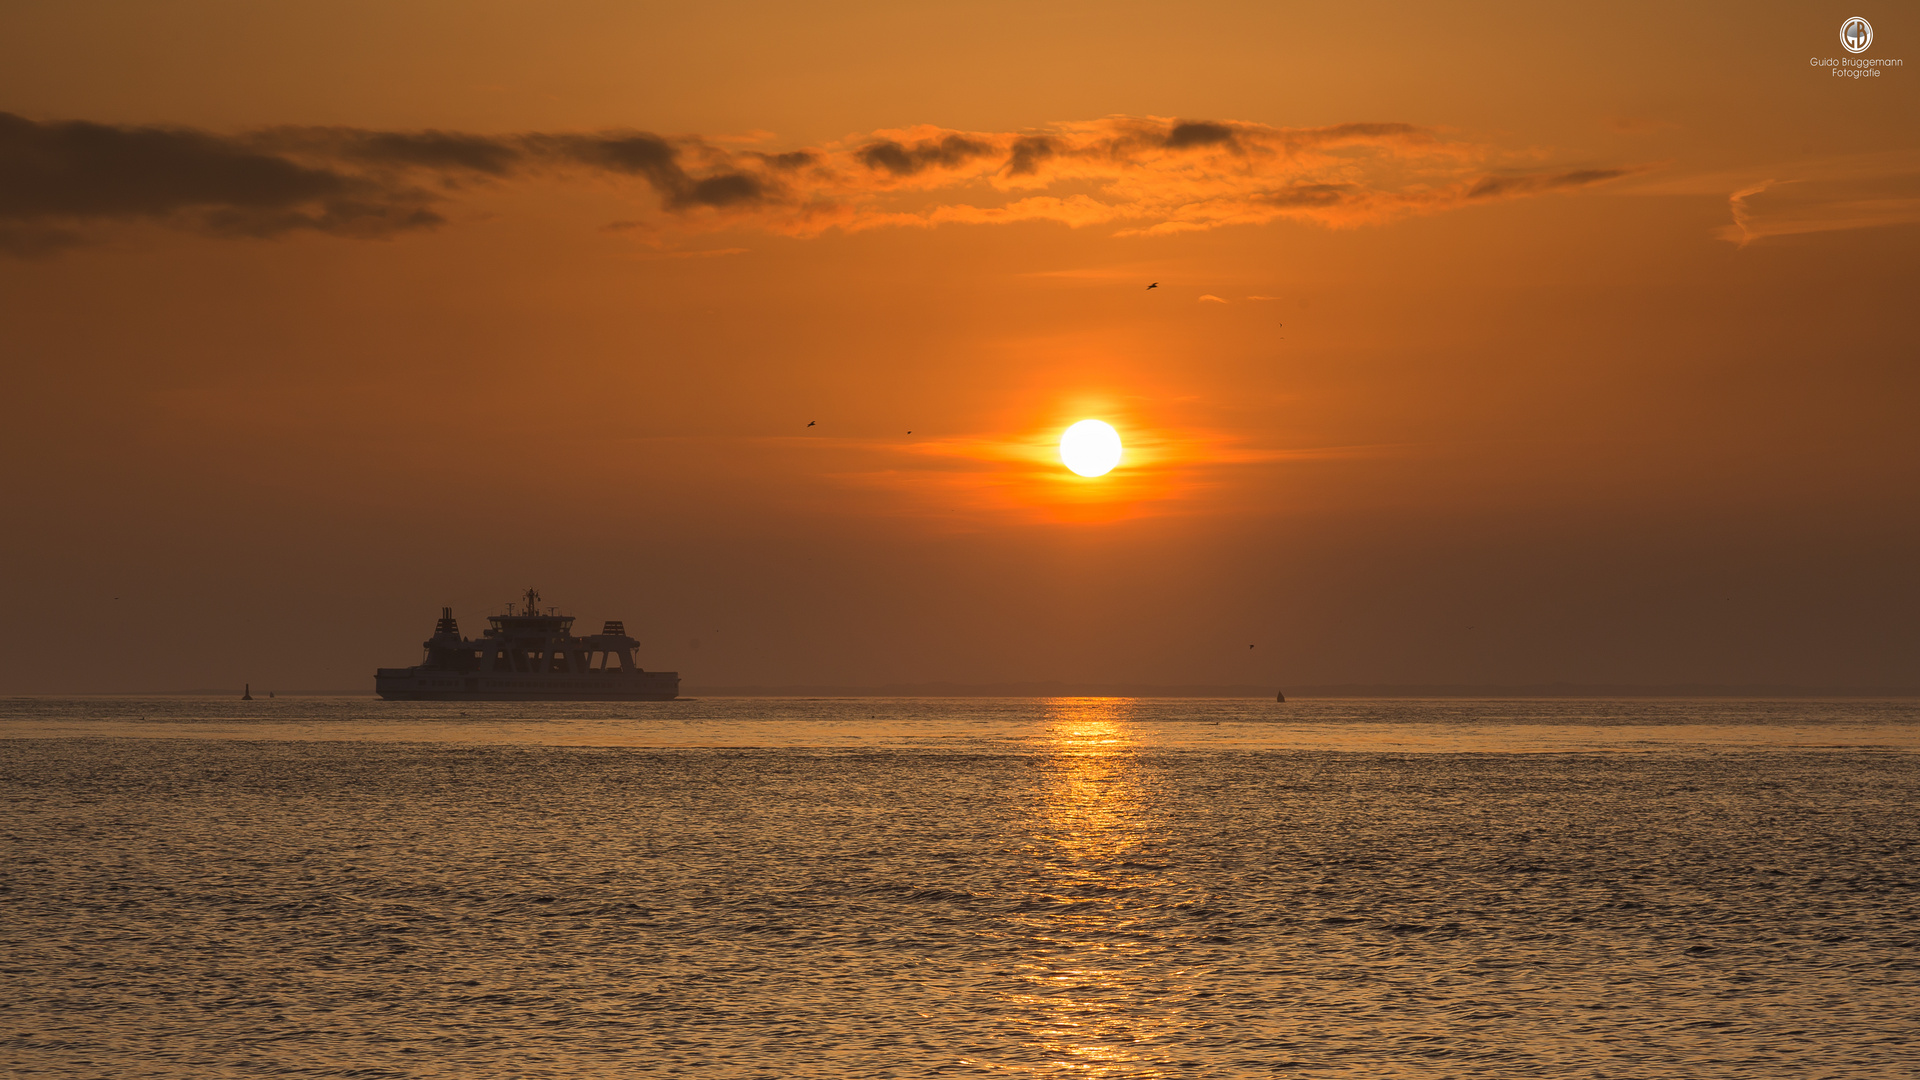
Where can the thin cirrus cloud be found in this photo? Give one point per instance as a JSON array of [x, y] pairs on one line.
[[64, 182], [1168, 469], [1834, 194], [1789, 208]]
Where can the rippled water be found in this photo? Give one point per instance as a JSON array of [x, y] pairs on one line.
[[338, 887]]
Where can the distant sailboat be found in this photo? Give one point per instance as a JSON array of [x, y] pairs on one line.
[[247, 694], [1279, 695]]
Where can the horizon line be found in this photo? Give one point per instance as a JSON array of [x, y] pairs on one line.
[[1063, 688]]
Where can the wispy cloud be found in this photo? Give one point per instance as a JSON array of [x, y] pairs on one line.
[[962, 480], [62, 181], [1793, 207], [1787, 198], [1529, 183], [1742, 217]]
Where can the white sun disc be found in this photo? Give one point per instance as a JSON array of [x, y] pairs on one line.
[[1090, 448]]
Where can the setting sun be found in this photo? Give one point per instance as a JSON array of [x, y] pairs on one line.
[[1090, 448]]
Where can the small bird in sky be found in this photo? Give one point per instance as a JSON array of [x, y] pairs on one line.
[[810, 423], [909, 432], [1249, 646], [1155, 285]]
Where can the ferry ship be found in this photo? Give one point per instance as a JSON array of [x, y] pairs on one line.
[[527, 656]]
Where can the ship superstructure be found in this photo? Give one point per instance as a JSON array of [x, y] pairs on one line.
[[527, 656]]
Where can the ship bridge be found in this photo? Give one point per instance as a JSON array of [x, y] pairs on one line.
[[530, 640]]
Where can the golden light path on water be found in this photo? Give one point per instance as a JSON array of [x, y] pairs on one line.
[[1085, 987]]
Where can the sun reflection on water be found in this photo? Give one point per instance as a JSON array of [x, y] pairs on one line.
[[1097, 894]]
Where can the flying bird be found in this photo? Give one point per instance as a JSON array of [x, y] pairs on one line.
[[1155, 285], [810, 423]]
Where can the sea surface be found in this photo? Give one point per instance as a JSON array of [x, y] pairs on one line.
[[846, 888]]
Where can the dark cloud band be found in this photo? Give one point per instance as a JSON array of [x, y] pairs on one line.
[[63, 181], [56, 175]]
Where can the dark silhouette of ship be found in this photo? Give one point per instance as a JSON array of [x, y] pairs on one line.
[[527, 656]]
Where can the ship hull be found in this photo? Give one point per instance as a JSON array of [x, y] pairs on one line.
[[414, 684]]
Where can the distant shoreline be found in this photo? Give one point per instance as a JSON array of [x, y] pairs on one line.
[[1335, 690]]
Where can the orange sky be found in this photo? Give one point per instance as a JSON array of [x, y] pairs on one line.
[[1491, 346]]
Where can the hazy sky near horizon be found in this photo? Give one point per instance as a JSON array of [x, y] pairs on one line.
[[1491, 344]]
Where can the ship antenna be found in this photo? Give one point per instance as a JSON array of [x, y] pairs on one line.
[[533, 601]]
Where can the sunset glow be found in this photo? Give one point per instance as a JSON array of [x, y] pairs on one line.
[[797, 339], [873, 539]]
